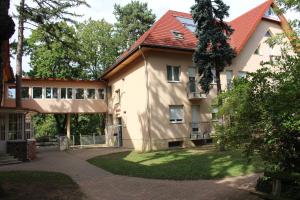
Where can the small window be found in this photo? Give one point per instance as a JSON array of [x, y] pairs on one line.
[[268, 34], [118, 96], [178, 35], [176, 114], [214, 114], [214, 81], [79, 93], [70, 93], [12, 92], [229, 75], [25, 92], [257, 51], [242, 74], [48, 93], [91, 94], [37, 92], [173, 73], [63, 93], [101, 94], [175, 144], [54, 93]]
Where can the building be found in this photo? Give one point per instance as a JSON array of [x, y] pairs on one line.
[[151, 94]]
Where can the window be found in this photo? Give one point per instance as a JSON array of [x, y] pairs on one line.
[[37, 92], [25, 93], [91, 94], [63, 93], [242, 74], [48, 93], [15, 126], [70, 93], [214, 114], [101, 94], [176, 114], [187, 22], [118, 96], [11, 92], [257, 51], [271, 14], [229, 79], [79, 93], [54, 93], [178, 35], [173, 73]]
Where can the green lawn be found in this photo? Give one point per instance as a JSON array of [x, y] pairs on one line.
[[186, 164], [36, 185]]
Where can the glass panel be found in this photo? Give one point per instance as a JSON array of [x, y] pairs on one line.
[[176, 73], [213, 71], [229, 75], [101, 93], [192, 72], [169, 73], [91, 94], [79, 93], [2, 126], [37, 92], [48, 93], [54, 93], [176, 113], [11, 92], [25, 92], [70, 91], [242, 74], [15, 126], [63, 93]]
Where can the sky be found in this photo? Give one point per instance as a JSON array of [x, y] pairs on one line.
[[100, 9]]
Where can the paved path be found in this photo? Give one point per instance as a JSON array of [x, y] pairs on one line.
[[99, 184]]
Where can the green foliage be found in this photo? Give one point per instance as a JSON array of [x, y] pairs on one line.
[[98, 47], [262, 114], [44, 125], [86, 124], [213, 50], [133, 20]]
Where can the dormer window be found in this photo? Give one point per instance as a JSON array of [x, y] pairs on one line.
[[178, 35], [270, 14]]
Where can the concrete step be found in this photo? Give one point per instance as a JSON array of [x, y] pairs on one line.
[[6, 159]]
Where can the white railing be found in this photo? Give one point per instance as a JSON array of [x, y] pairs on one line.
[[194, 91], [200, 130], [93, 139]]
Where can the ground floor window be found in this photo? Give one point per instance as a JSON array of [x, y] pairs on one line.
[[176, 114], [15, 126], [2, 127]]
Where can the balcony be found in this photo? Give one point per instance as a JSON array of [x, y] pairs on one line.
[[194, 91], [200, 130]]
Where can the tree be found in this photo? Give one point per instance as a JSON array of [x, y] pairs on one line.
[[98, 47], [133, 20], [213, 51], [45, 15]]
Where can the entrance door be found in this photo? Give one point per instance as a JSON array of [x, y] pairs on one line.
[[195, 119], [119, 127], [2, 133]]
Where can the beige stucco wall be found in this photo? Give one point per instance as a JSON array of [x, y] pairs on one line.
[[132, 107], [62, 105]]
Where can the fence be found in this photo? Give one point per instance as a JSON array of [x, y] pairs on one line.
[[88, 139]]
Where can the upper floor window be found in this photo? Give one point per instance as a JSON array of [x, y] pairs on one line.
[[229, 75], [271, 14], [79, 93], [173, 73], [37, 92], [214, 114], [242, 74], [176, 113], [70, 93], [48, 93], [25, 92], [118, 96], [91, 94], [257, 51], [214, 81], [54, 93], [63, 93], [101, 94], [12, 92]]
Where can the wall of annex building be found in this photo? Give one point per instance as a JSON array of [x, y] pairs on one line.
[[128, 101]]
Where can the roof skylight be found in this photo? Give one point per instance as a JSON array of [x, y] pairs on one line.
[[189, 23]]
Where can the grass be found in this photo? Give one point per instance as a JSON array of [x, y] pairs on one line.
[[36, 185], [178, 164]]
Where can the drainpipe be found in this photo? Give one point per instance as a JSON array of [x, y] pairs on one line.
[[147, 98]]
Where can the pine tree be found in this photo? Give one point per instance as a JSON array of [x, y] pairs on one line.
[[213, 51]]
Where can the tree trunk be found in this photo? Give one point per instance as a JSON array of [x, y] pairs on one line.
[[76, 123], [276, 190], [19, 55], [219, 89], [102, 122]]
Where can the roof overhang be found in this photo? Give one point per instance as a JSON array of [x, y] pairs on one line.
[[16, 110]]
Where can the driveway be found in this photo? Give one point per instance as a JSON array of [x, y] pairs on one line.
[[99, 184]]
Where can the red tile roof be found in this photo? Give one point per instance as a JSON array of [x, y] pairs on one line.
[[160, 34]]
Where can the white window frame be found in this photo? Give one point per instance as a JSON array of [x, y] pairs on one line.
[[173, 74], [42, 92], [8, 92], [87, 93], [28, 93], [176, 119]]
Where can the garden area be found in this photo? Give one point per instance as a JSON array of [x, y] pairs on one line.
[[36, 185], [182, 164]]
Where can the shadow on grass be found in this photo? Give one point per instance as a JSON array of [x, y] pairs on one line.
[[178, 164]]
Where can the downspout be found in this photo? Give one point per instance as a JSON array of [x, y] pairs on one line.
[[147, 99]]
